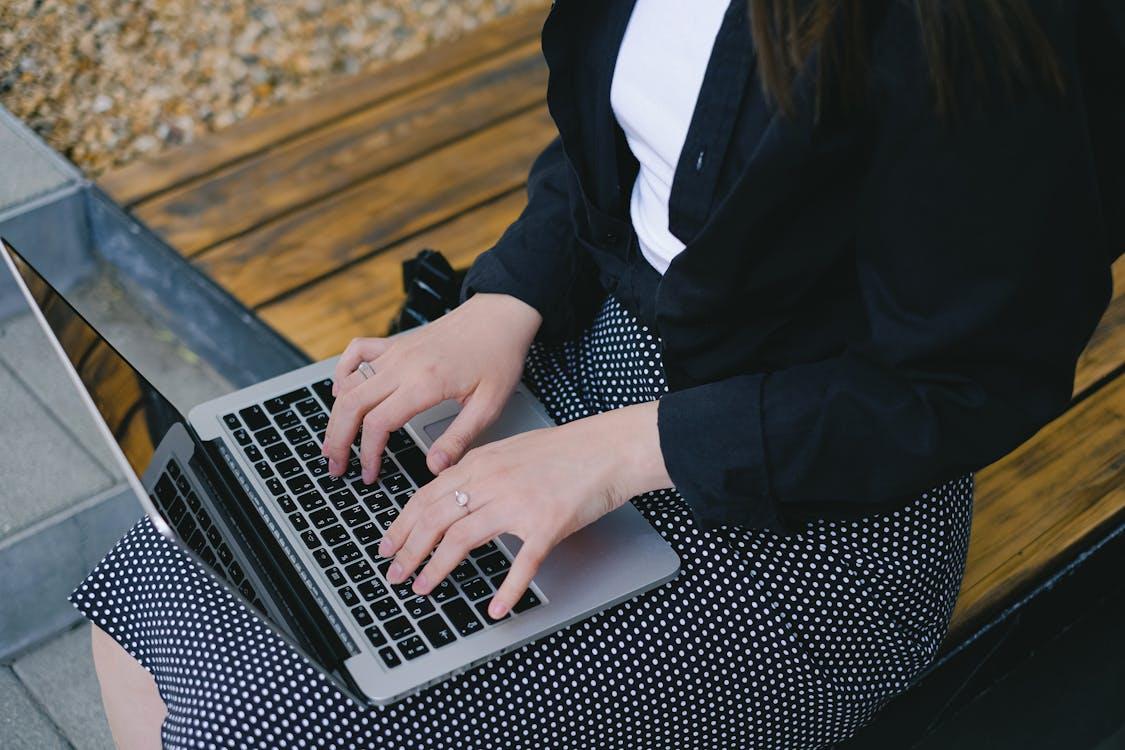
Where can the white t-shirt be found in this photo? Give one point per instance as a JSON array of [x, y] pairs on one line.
[[656, 82]]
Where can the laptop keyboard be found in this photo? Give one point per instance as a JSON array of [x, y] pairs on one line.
[[174, 494], [341, 520]]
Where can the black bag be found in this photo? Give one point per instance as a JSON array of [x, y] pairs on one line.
[[432, 288]]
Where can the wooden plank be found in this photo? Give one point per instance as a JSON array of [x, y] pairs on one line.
[[1106, 350], [207, 211], [361, 301], [302, 246], [337, 99], [1044, 502]]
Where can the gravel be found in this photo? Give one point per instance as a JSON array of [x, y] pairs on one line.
[[108, 81]]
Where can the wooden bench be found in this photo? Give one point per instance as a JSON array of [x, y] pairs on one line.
[[305, 214]]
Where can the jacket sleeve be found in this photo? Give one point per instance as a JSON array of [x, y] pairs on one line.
[[982, 256], [537, 259]]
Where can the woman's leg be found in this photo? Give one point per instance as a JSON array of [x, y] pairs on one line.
[[132, 703]]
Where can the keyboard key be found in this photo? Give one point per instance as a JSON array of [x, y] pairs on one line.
[[334, 535], [359, 571], [254, 417], [308, 451], [403, 497], [355, 515], [208, 556], [232, 421], [402, 590], [412, 647], [299, 485], [324, 390], [372, 590], [386, 608], [323, 559], [362, 616], [436, 631], [176, 511], [342, 499], [462, 617], [367, 533], [362, 489], [192, 501], [275, 405], [347, 553], [214, 537], [497, 581], [264, 470], [386, 518], [242, 436], [310, 501], [186, 527], [288, 468], [318, 467], [204, 519], [322, 518], [528, 601], [330, 484], [482, 607], [399, 440], [335, 577], [165, 489], [389, 656], [285, 502], [267, 437], [311, 540], [234, 570], [398, 628], [444, 591], [396, 483], [298, 395], [476, 588], [286, 420], [308, 407], [297, 435], [279, 452], [463, 572], [348, 595], [273, 484], [375, 636], [252, 453], [492, 564], [318, 423], [485, 549], [376, 500], [413, 462], [419, 606]]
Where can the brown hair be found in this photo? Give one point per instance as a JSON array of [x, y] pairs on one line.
[[836, 33]]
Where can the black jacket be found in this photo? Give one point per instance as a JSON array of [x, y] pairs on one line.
[[866, 307]]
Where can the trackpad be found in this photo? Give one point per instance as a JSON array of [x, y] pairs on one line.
[[518, 416]]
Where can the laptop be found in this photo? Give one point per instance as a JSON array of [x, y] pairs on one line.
[[240, 483]]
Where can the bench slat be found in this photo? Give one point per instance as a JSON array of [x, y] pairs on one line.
[[361, 301], [337, 99], [1045, 502], [1106, 351], [302, 246], [254, 191]]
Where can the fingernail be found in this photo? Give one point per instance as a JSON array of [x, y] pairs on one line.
[[421, 585], [496, 610], [441, 459], [386, 547], [333, 467], [394, 574]]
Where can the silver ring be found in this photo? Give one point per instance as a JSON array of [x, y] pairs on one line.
[[366, 370], [462, 499]]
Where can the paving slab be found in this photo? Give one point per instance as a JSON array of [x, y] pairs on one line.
[[60, 675], [22, 725], [45, 470]]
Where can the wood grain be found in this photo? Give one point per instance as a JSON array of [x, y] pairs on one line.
[[1044, 502], [343, 97], [361, 300], [1106, 350], [302, 246], [204, 212]]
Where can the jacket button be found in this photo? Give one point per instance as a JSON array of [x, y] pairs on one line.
[[610, 237], [699, 161]]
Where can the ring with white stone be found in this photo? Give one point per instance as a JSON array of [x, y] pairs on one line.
[[461, 498], [366, 370]]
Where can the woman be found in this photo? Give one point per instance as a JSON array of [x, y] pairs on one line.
[[810, 265]]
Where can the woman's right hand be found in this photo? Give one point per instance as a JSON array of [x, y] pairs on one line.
[[474, 354]]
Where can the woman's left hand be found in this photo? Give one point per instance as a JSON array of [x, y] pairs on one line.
[[540, 486]]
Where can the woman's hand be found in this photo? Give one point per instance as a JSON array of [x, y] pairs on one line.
[[540, 486], [473, 354]]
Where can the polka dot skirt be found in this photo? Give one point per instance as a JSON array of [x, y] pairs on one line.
[[761, 642]]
